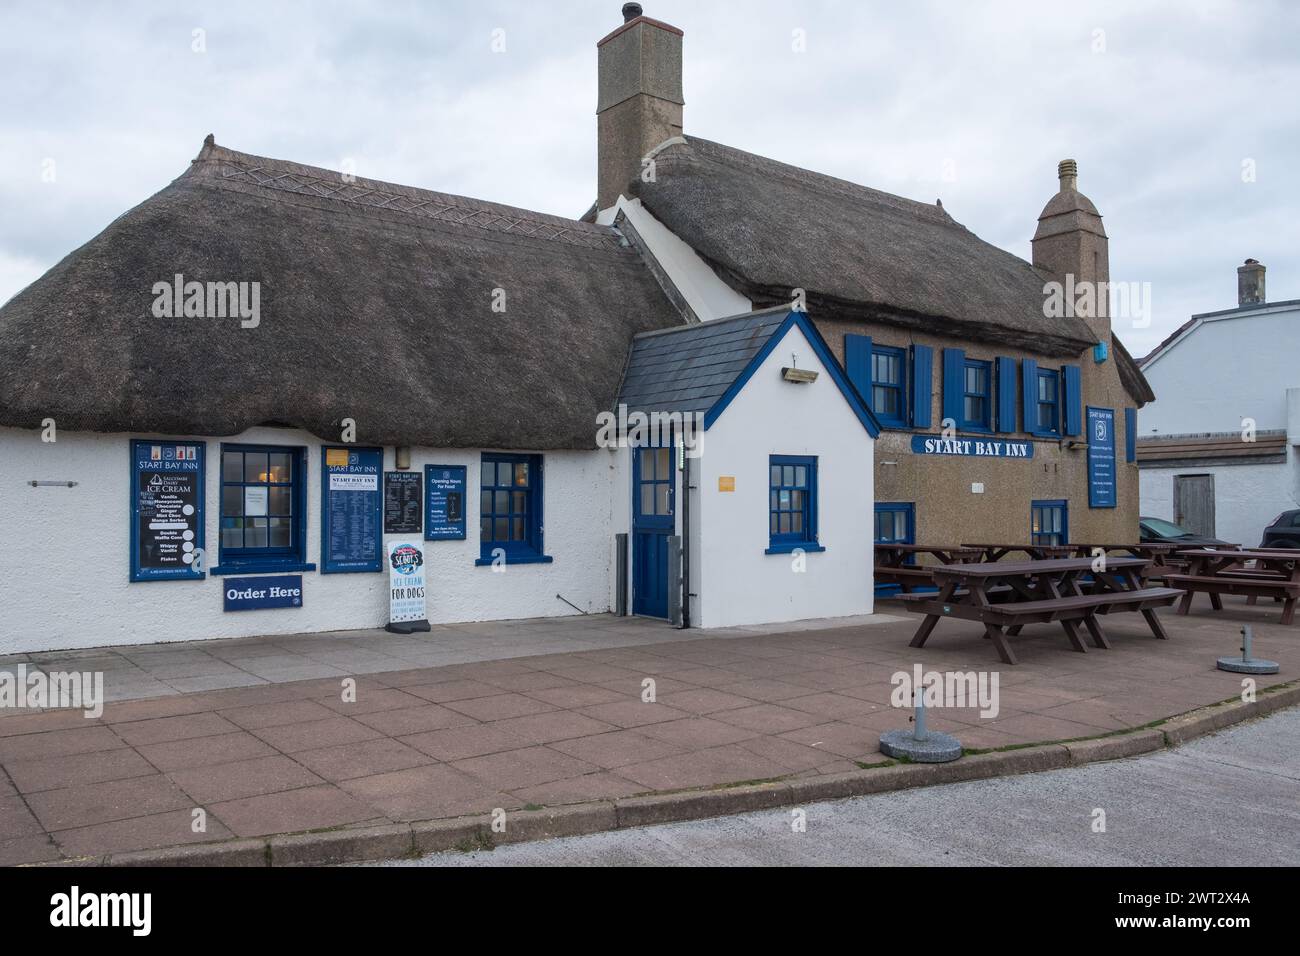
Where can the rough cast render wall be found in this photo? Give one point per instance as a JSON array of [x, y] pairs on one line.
[[65, 568], [947, 512], [739, 584], [1246, 497]]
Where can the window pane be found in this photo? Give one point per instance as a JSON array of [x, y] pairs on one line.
[[485, 503], [518, 502], [801, 476], [773, 525], [505, 471], [278, 532], [501, 529], [796, 523], [232, 465], [785, 522], [501, 502], [900, 525], [647, 463], [485, 528], [772, 503], [255, 533], [487, 472], [787, 475], [664, 464], [775, 478], [232, 500], [661, 503], [517, 529], [281, 501], [255, 466], [647, 499], [796, 500], [281, 466], [785, 500], [521, 475], [232, 533]]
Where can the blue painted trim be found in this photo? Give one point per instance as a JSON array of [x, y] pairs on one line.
[[1006, 387], [857, 364], [1029, 395], [516, 559], [261, 567], [806, 539], [1061, 503], [899, 421], [1072, 400], [823, 353], [922, 385], [1130, 434], [954, 384], [810, 547], [135, 572], [517, 552], [286, 559]]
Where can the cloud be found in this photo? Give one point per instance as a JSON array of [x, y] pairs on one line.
[[973, 103]]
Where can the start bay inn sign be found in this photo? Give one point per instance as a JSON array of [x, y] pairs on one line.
[[971, 447]]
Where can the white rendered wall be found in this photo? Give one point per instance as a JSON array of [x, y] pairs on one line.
[[64, 570], [1225, 370], [707, 295], [737, 582], [1246, 497]]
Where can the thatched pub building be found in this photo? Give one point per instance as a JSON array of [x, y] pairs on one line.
[[247, 390]]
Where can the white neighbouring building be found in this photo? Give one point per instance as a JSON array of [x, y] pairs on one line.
[[1217, 451]]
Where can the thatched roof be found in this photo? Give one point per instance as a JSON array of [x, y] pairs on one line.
[[767, 228], [376, 305]]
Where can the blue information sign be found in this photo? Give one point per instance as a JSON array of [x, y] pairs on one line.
[[444, 502], [351, 531], [254, 594], [166, 510], [1101, 457]]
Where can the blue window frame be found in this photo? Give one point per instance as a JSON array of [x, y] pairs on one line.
[[895, 522], [1048, 403], [510, 509], [792, 504], [977, 395], [889, 385], [263, 524], [1049, 523]]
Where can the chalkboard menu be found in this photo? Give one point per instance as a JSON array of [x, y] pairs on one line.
[[444, 495], [166, 510], [351, 536], [1101, 457], [403, 503]]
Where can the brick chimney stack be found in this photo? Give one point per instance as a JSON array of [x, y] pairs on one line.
[[1250, 283], [1071, 240], [639, 102]]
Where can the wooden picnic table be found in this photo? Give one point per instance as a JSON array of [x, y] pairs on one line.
[[1005, 596], [895, 563], [1159, 554], [1276, 574], [1037, 552]]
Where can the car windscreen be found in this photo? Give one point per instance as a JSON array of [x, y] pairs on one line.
[[1165, 529]]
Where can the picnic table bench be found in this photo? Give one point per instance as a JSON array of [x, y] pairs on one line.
[[1037, 552], [894, 563], [1005, 596], [1276, 574]]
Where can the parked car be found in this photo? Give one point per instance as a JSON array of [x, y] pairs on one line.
[[1160, 531], [1284, 532]]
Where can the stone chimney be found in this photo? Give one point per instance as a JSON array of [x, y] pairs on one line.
[[1071, 241], [1250, 283], [639, 103]]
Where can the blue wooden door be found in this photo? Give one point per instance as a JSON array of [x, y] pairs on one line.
[[654, 503]]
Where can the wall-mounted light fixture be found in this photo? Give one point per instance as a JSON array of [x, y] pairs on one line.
[[53, 484], [1075, 445], [798, 376], [403, 457]]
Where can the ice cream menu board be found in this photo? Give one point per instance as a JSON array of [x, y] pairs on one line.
[[166, 510], [351, 538]]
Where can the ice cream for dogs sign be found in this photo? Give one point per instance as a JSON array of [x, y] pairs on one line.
[[406, 593]]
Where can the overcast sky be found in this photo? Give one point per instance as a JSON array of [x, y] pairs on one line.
[[1167, 107]]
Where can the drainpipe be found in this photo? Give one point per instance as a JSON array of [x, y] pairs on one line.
[[686, 539]]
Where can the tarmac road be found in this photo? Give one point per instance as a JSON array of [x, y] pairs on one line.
[[1229, 799]]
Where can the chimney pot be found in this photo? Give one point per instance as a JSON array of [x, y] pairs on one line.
[[631, 11], [1250, 283], [1068, 171]]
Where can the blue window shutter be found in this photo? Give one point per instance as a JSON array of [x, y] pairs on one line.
[[1006, 394], [922, 385], [1072, 414], [857, 364], [1029, 398], [1130, 434], [954, 383]]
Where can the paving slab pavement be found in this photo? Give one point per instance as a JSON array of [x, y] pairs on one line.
[[518, 731]]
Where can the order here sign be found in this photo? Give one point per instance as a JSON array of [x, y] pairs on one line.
[[254, 594]]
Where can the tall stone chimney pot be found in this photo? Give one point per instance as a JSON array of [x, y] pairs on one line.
[[1250, 283]]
